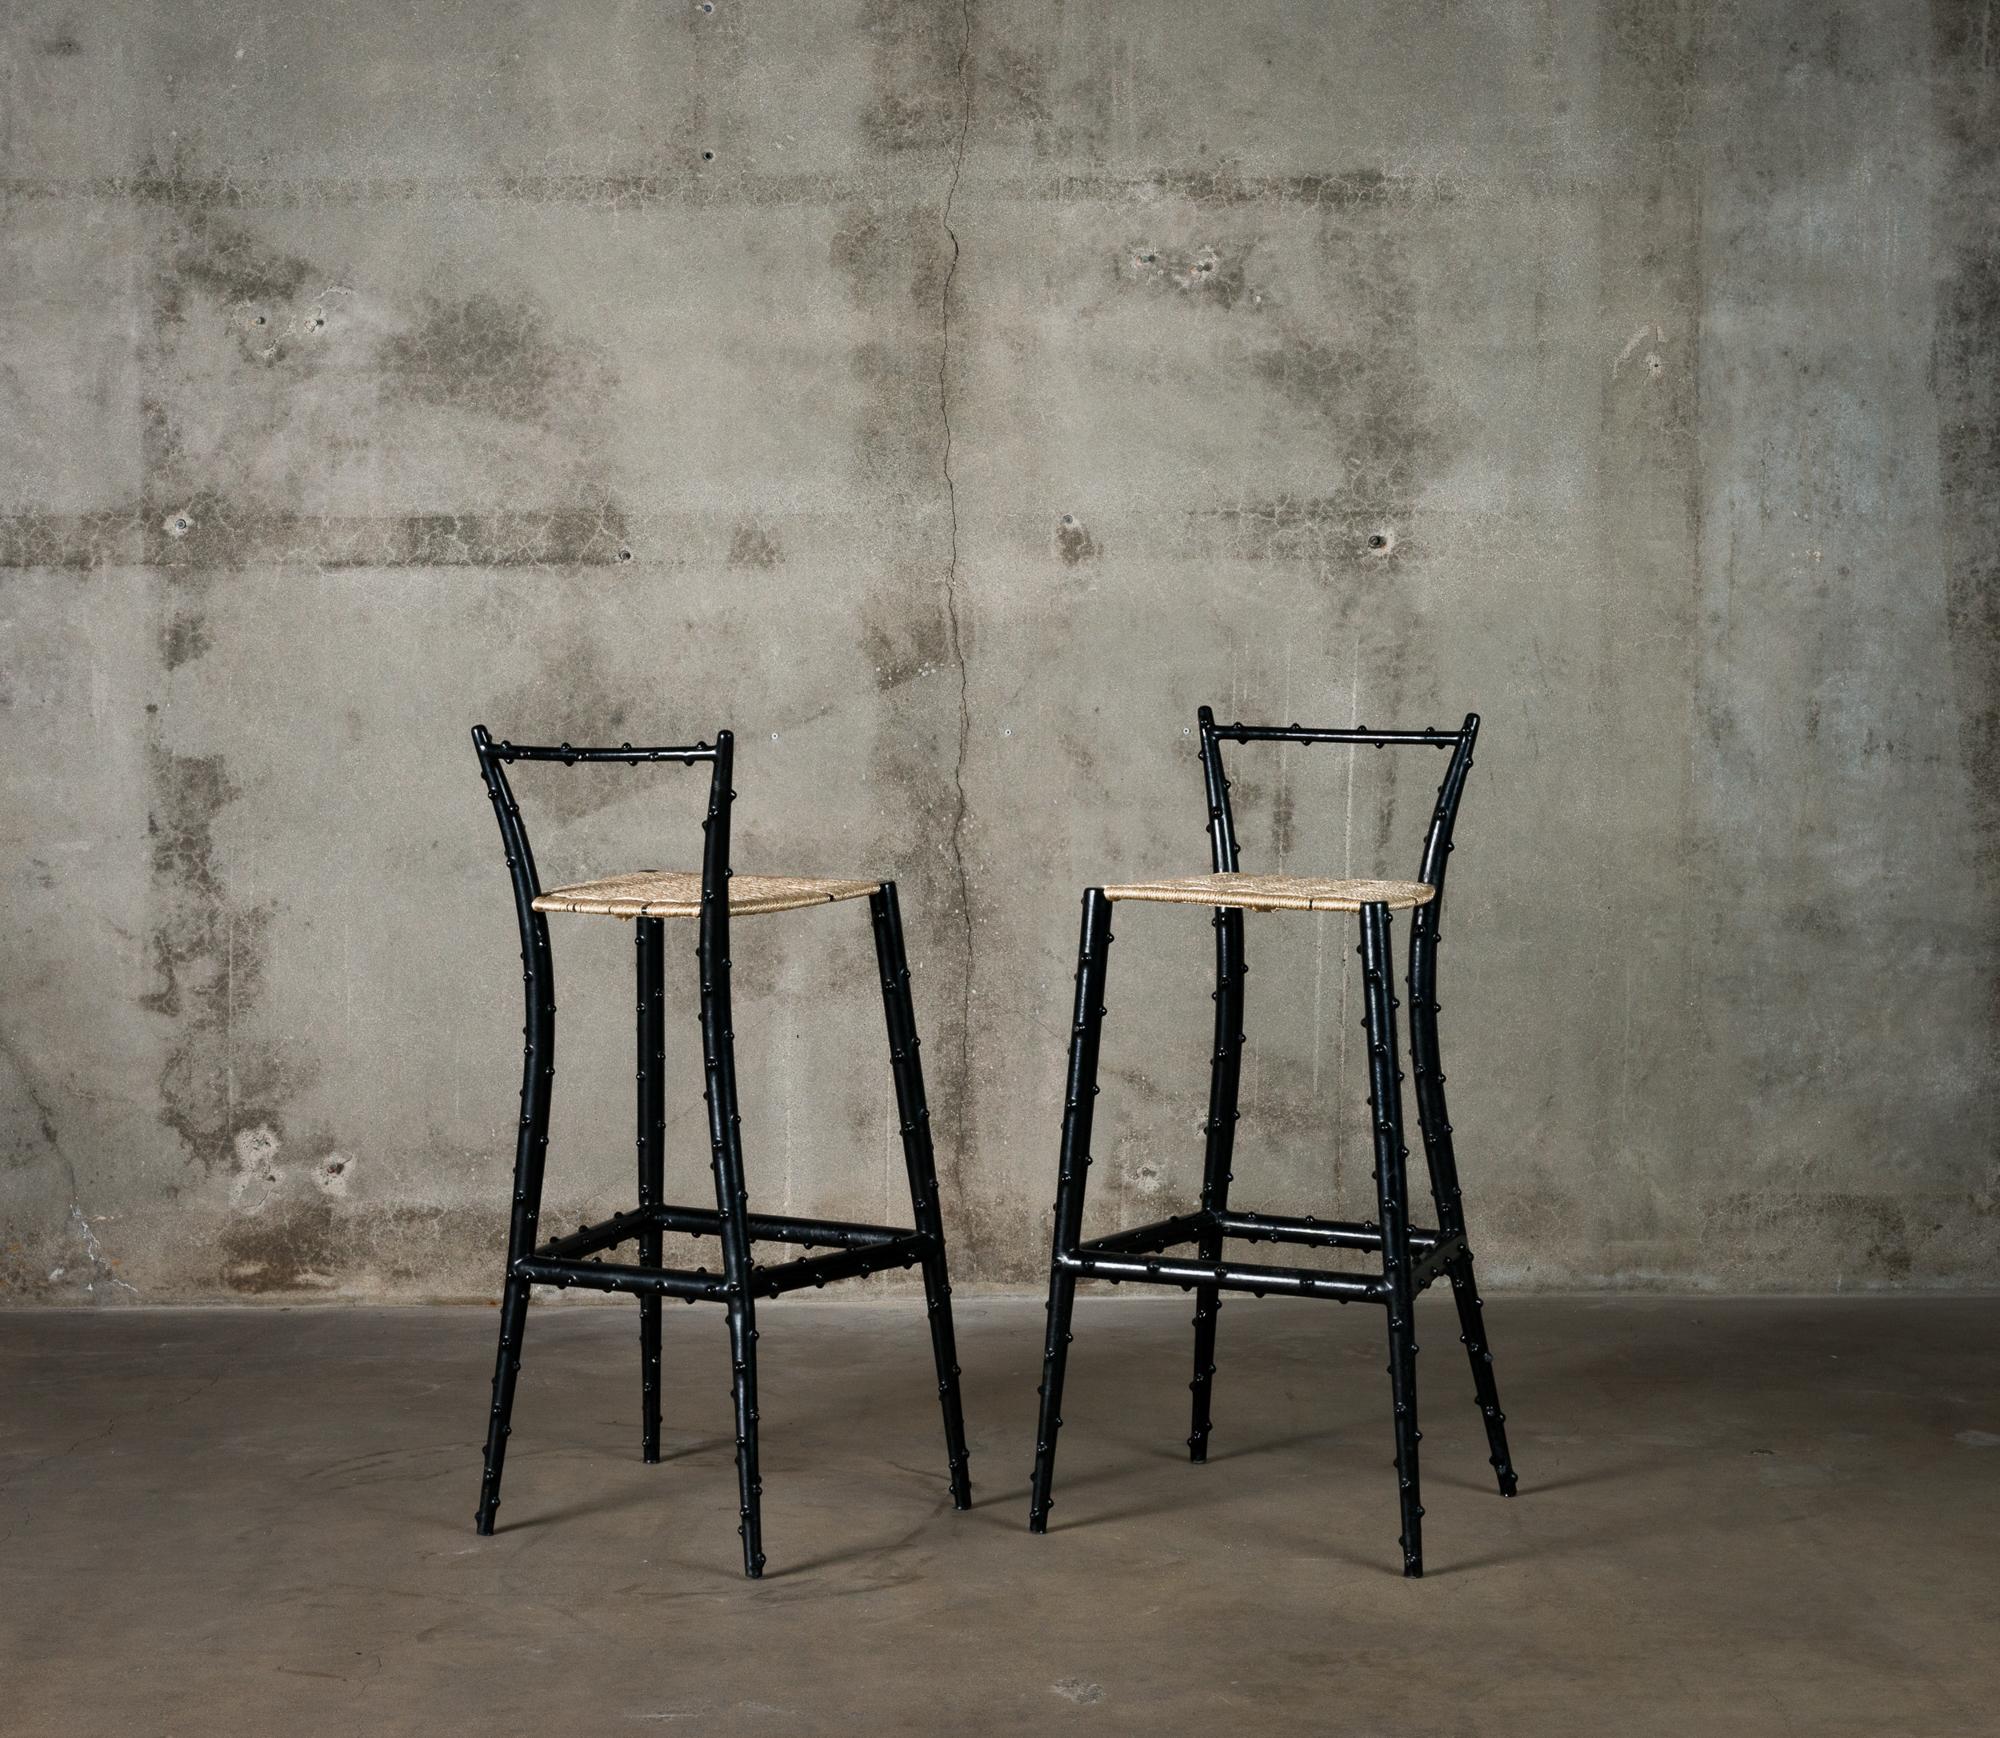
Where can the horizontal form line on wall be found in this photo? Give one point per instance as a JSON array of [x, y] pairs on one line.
[[1338, 190], [209, 535]]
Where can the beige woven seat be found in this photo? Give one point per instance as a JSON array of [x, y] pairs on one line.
[[677, 893], [1277, 892]]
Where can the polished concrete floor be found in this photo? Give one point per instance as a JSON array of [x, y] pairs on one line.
[[1735, 1517]]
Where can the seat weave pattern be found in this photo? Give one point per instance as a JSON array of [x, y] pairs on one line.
[[677, 893], [1276, 892]]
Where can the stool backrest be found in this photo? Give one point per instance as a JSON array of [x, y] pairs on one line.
[[494, 758], [1437, 841]]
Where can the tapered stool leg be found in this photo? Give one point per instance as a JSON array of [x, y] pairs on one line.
[[914, 1118], [1385, 1104], [1442, 1162], [732, 1199], [538, 1067], [1079, 1105], [732, 1202], [650, 942], [1225, 1069]]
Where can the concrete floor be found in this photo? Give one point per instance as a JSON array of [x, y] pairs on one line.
[[1736, 1516]]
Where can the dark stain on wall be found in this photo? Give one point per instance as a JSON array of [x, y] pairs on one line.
[[895, 261], [1074, 542], [916, 100], [754, 545], [480, 353], [1367, 394], [901, 648], [184, 638], [888, 253], [294, 1246], [485, 354], [1361, 392], [1965, 366], [1009, 93], [209, 256], [208, 952]]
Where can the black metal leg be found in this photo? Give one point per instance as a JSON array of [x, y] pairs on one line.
[[1385, 1103], [650, 942], [1442, 1161], [1225, 1070], [743, 1391], [732, 1202], [914, 1117], [1078, 1109], [538, 1067]]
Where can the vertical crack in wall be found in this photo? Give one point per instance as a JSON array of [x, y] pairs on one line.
[[957, 838]]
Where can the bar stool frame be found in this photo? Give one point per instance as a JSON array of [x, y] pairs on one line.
[[577, 1259], [1412, 1258]]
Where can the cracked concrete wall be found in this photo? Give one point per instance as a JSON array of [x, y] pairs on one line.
[[950, 398]]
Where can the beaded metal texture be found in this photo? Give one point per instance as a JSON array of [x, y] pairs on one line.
[[1411, 1258], [577, 1259]]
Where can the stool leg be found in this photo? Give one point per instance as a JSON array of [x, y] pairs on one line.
[[732, 1202], [1078, 1109], [531, 1145], [1443, 1164], [1385, 1103], [914, 1117], [1225, 1069], [650, 941]]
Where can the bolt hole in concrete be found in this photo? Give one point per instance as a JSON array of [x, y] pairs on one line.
[[178, 525], [624, 555], [708, 156], [1382, 541]]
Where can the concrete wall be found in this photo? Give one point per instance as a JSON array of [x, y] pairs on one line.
[[950, 400]]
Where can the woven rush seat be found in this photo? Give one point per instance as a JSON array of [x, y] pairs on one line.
[[1277, 892], [677, 893]]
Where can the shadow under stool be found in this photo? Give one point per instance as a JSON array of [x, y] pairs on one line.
[[710, 898], [1411, 1258]]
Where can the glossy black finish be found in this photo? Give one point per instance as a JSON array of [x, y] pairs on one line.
[[538, 1067], [649, 939], [913, 1119], [1411, 1258], [1225, 1071], [1435, 1122], [1385, 1106], [1079, 1108], [577, 1258]]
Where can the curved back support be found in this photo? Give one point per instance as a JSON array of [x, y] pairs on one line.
[[1437, 840], [495, 756], [537, 968]]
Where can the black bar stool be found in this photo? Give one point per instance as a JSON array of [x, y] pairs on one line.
[[710, 898], [1411, 1259]]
